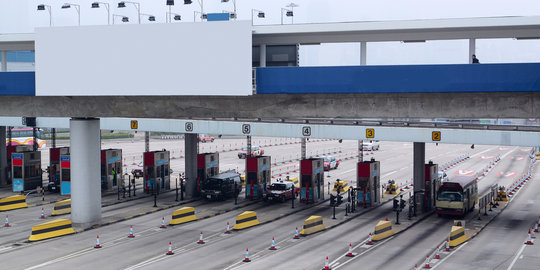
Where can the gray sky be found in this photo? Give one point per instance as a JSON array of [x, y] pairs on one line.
[[21, 16]]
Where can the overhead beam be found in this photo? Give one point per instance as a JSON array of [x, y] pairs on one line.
[[404, 134]]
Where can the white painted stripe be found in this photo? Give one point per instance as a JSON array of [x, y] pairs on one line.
[[366, 251], [449, 255], [516, 257]]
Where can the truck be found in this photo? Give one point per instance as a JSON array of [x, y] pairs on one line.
[[222, 186]]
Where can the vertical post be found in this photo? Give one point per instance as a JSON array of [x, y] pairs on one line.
[[35, 144], [129, 185], [419, 173], [53, 137], [293, 196], [235, 194], [133, 182], [363, 53], [191, 148], [176, 190], [181, 189], [303, 149], [262, 56], [4, 60], [3, 157], [147, 141], [334, 211], [472, 49]]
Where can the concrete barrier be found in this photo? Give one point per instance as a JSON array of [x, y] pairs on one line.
[[183, 215], [457, 236], [383, 230], [62, 208], [51, 229], [13, 202], [391, 188], [246, 220], [312, 225]]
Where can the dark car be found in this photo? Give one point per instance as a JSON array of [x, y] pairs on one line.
[[137, 171], [221, 186], [280, 191]]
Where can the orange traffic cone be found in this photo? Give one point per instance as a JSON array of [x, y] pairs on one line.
[[7, 222], [42, 214], [201, 241], [350, 254], [163, 223], [228, 228], [131, 235], [273, 245], [529, 239], [246, 259], [296, 236], [170, 250], [97, 243], [369, 241], [326, 266]]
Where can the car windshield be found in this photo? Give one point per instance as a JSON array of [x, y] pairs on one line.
[[452, 196], [327, 159], [212, 184], [278, 186], [253, 148]]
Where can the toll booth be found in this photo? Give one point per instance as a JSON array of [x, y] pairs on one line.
[[10, 149], [54, 164], [156, 168], [368, 182], [26, 170], [311, 180], [111, 169], [207, 166], [258, 175], [432, 185], [65, 174]]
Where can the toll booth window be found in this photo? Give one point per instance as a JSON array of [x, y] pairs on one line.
[[17, 172], [306, 180], [66, 175], [103, 170], [252, 176], [150, 172], [166, 171]]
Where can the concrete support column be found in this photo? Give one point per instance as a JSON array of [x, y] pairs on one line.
[[419, 157], [3, 157], [303, 148], [147, 141], [472, 49], [262, 56], [190, 141], [85, 170], [363, 53], [361, 151], [3, 54]]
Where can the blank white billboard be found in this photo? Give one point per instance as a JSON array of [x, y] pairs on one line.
[[210, 58]]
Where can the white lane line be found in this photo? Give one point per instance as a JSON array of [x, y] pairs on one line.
[[452, 253], [516, 257], [5, 248], [479, 153], [366, 251], [387, 174]]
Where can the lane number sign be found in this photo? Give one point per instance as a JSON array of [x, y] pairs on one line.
[[370, 133], [246, 128], [134, 124], [306, 131], [189, 126], [436, 136]]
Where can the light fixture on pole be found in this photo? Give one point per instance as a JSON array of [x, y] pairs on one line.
[[124, 18], [169, 3], [203, 16], [137, 6], [175, 17], [260, 14], [201, 3], [232, 14], [291, 13], [288, 13], [96, 5], [151, 18], [234, 8], [46, 7], [77, 7]]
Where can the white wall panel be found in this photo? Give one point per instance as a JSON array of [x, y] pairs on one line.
[[212, 58]]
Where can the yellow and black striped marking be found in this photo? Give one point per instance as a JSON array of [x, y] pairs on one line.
[[62, 208], [457, 236], [246, 220], [383, 230], [312, 225], [51, 229], [183, 215], [13, 202]]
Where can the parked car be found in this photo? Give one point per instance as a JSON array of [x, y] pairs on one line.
[[221, 186], [370, 145], [280, 191], [137, 171], [330, 163], [255, 152], [205, 138]]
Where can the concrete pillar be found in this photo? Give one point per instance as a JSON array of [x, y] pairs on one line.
[[419, 157], [85, 170], [3, 157], [472, 49], [4, 60], [303, 148], [147, 141], [361, 151], [363, 53], [262, 55], [191, 150]]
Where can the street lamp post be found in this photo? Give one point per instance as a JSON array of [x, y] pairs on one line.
[[137, 6], [234, 7], [201, 3], [260, 14], [175, 17], [43, 7], [77, 7], [203, 16], [292, 6], [124, 18], [151, 18], [96, 5], [169, 3], [288, 13]]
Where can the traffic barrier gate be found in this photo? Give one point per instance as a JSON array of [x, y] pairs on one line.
[[312, 225], [62, 207], [13, 202], [183, 215], [383, 230], [457, 236], [246, 220], [51, 229]]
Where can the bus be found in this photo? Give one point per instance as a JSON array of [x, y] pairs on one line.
[[457, 196], [24, 136]]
